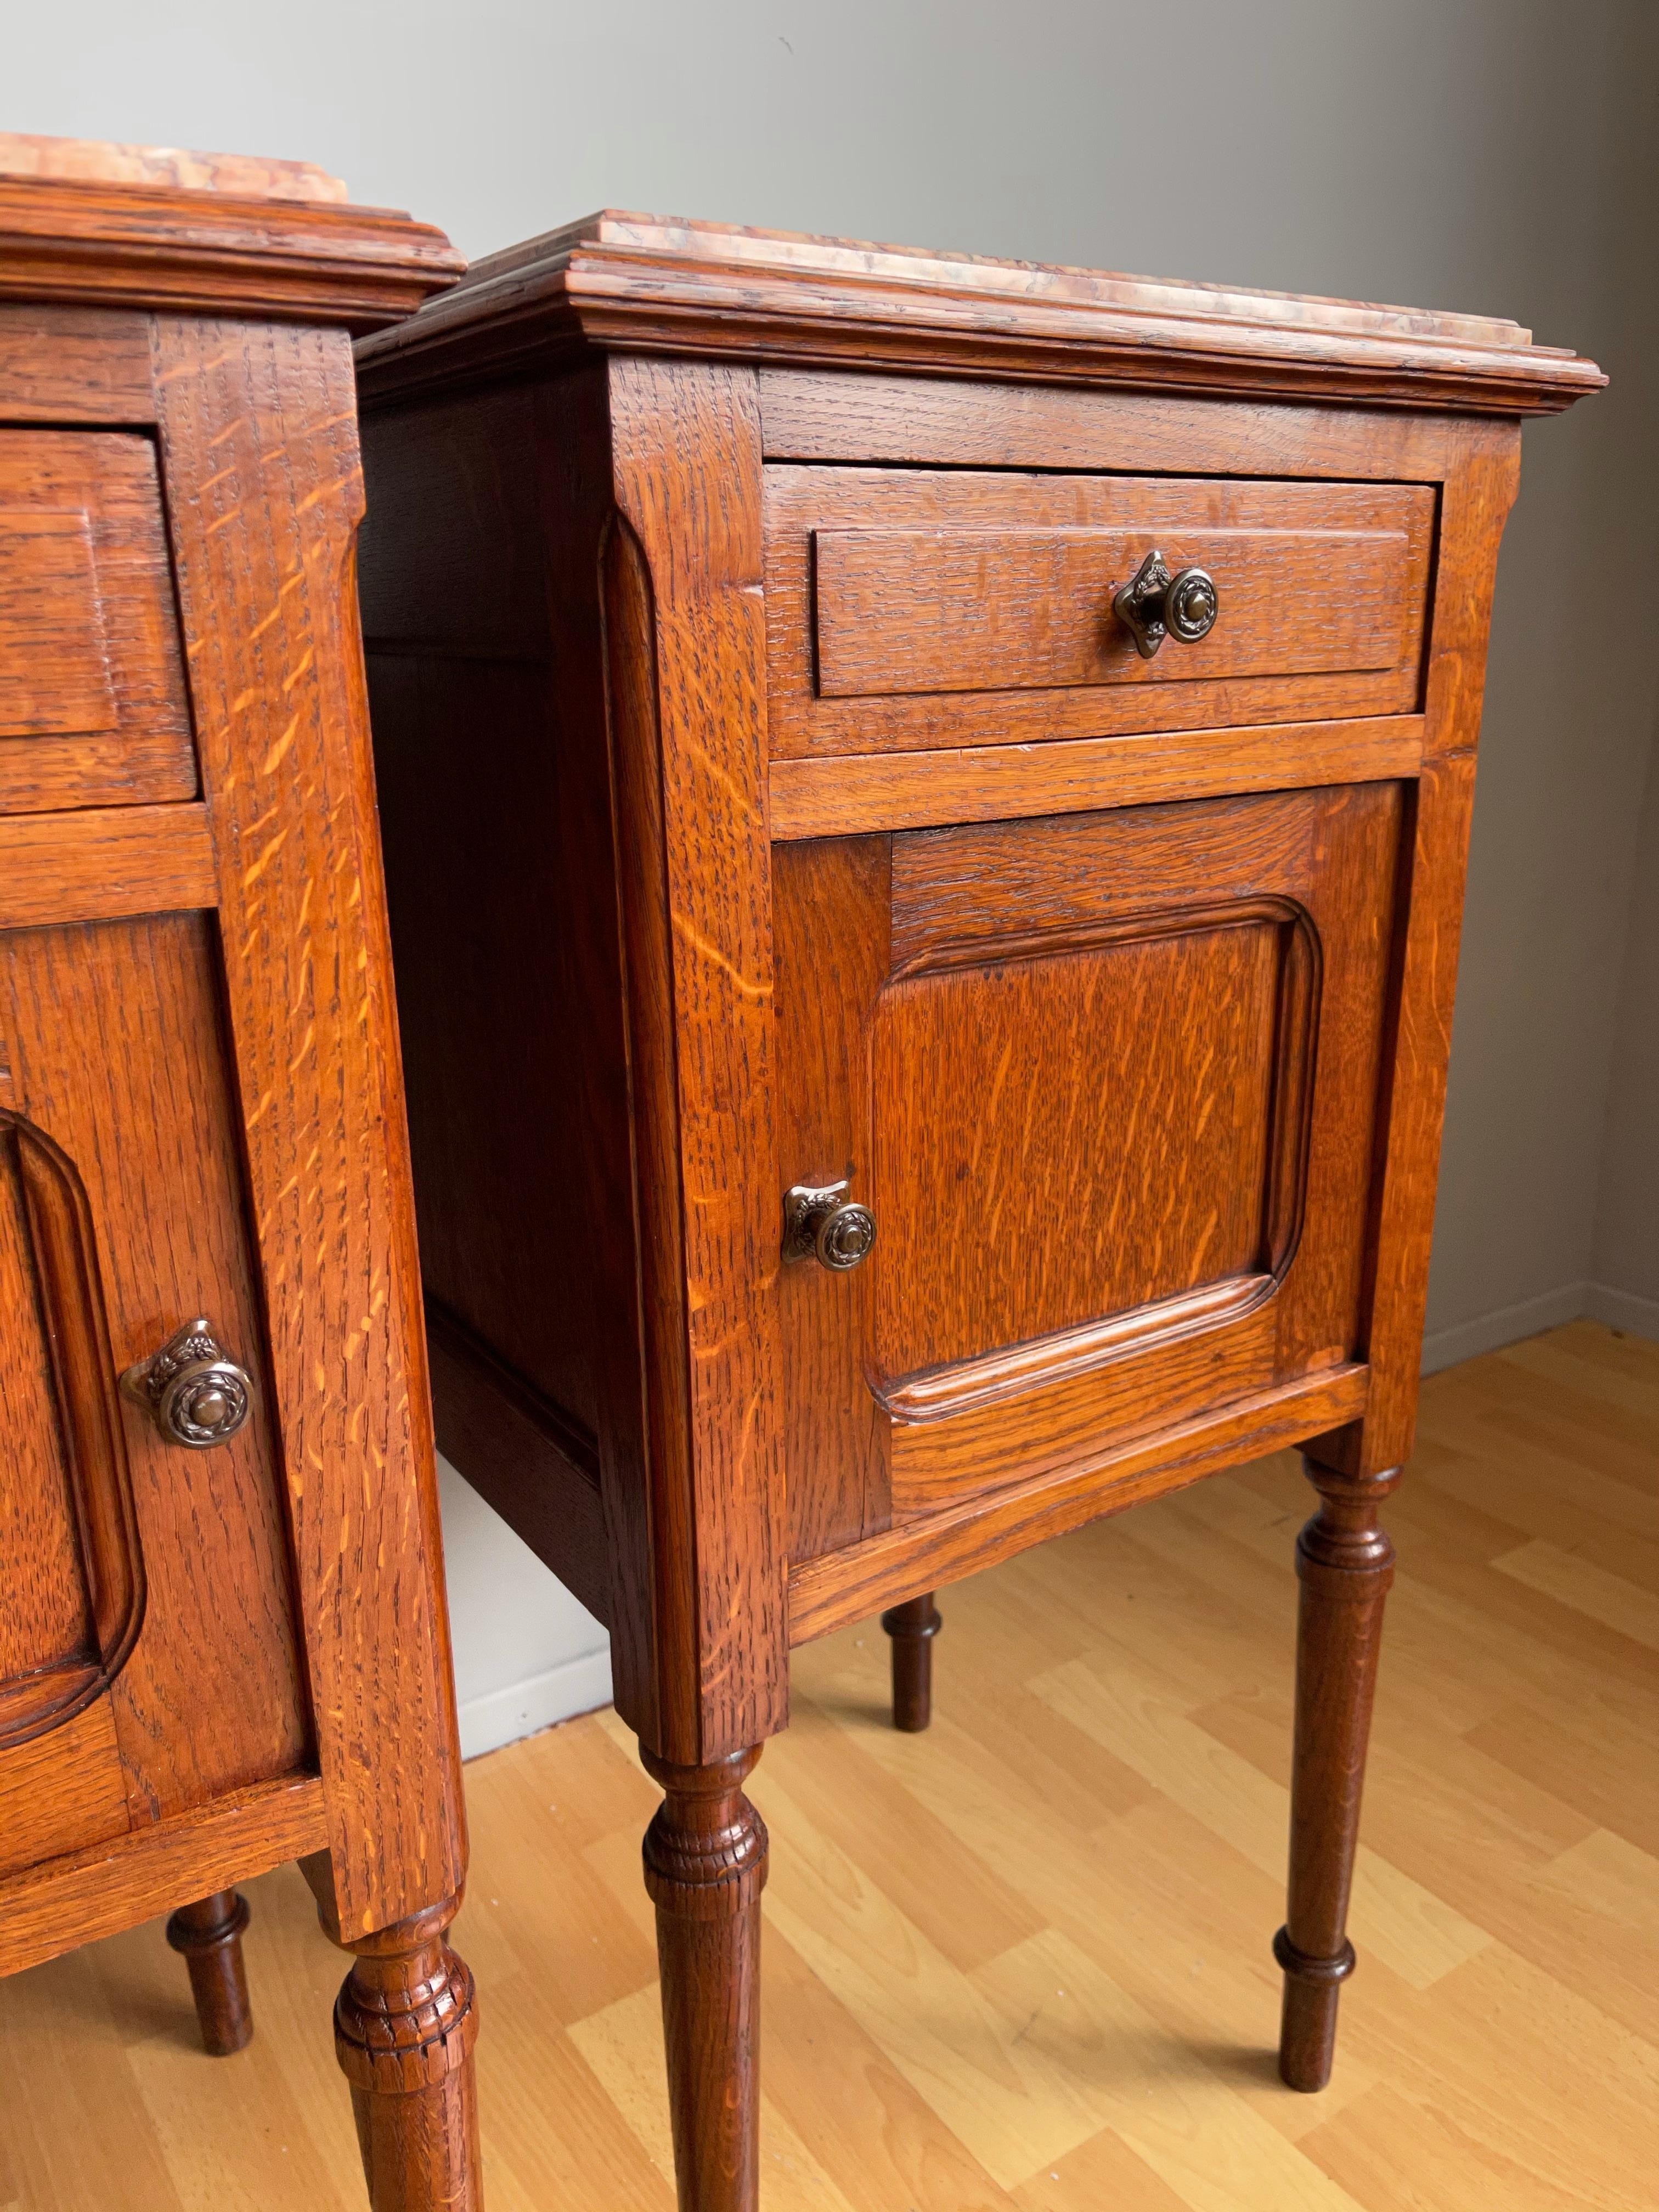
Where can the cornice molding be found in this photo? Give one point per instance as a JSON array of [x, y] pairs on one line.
[[87, 242], [623, 282]]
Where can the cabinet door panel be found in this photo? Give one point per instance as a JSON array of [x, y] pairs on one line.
[[1040, 1117], [1108, 1082], [116, 1054]]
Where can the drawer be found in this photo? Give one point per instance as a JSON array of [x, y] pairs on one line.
[[1107, 1083], [917, 608], [93, 707]]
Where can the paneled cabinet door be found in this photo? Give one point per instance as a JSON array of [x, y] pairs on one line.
[[147, 1659], [1106, 1084]]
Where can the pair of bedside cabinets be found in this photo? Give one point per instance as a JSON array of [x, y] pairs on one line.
[[924, 805]]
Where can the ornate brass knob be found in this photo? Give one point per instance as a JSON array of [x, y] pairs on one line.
[[821, 1223], [192, 1388], [1154, 605]]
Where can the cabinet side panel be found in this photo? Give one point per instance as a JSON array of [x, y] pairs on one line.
[[259, 453], [686, 456], [1482, 475]]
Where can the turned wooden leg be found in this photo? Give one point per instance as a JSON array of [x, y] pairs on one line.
[[705, 1867], [1346, 1563], [209, 1935], [913, 1627], [404, 2024]]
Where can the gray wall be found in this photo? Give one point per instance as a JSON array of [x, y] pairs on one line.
[[1491, 154], [1625, 1283]]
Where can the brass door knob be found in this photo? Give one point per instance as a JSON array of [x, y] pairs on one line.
[[821, 1223], [1154, 605], [192, 1388]]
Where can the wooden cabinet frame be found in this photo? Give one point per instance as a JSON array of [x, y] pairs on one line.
[[595, 472], [240, 884]]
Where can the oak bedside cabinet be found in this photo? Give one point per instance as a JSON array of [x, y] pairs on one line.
[[222, 1636], [925, 805]]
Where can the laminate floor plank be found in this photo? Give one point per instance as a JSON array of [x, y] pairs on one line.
[[1021, 1963]]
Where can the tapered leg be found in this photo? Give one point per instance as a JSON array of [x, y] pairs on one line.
[[913, 1627], [405, 2025], [209, 1935], [705, 1867], [1346, 1563]]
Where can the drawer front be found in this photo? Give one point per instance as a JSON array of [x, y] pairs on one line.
[[917, 608], [93, 708], [148, 1658], [1107, 1084]]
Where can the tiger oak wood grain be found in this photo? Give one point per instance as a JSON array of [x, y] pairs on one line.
[[617, 281], [87, 238], [845, 794], [1116, 991], [105, 863], [686, 458], [972, 1136], [75, 364], [991, 595], [201, 1119], [1511, 1794], [832, 909], [323, 1157], [93, 711], [117, 1054], [100, 1887]]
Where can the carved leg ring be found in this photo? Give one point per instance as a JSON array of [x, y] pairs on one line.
[[404, 2024], [209, 1935], [705, 1867], [913, 1627], [1346, 1563]]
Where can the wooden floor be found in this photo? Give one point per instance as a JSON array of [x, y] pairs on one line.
[[1022, 1962]]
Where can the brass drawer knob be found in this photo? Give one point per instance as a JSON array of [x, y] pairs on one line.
[[1154, 605], [192, 1388], [821, 1223]]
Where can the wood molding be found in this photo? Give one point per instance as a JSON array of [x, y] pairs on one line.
[[75, 365], [845, 794], [99, 244], [1035, 1364], [104, 863], [74, 1325], [850, 1584], [110, 1887], [648, 283]]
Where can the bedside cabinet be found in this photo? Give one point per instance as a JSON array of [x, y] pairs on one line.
[[925, 807], [223, 1638]]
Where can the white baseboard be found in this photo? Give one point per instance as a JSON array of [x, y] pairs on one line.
[[1491, 1331], [1623, 1309], [577, 1686]]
